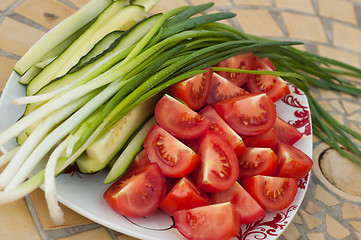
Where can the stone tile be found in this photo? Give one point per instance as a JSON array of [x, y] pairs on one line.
[[350, 211], [347, 37], [351, 107], [338, 117], [46, 13], [336, 229], [253, 2], [125, 237], [297, 219], [346, 57], [325, 105], [4, 4], [322, 195], [355, 117], [165, 5], [356, 225], [71, 218], [17, 37], [312, 207], [17, 217], [337, 105], [326, 94], [310, 220], [296, 5], [291, 232], [258, 22], [316, 236], [95, 234], [304, 27], [358, 235], [217, 3], [79, 3], [344, 11], [6, 67]]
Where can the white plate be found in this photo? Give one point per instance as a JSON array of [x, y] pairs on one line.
[[83, 193]]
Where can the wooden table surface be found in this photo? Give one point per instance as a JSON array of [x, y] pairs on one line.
[[332, 28]]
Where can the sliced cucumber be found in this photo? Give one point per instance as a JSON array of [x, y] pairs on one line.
[[65, 29], [128, 154], [148, 4], [30, 74]]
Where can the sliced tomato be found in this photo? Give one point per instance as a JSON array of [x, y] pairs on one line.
[[193, 91], [179, 120], [286, 132], [241, 61], [258, 161], [272, 193], [222, 89], [235, 140], [251, 114], [218, 168], [265, 140], [273, 86], [139, 194], [174, 158], [140, 160], [293, 162], [249, 210], [184, 195], [211, 222]]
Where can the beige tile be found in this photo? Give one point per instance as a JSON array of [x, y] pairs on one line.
[[71, 218], [351, 107], [258, 22], [350, 211], [79, 3], [17, 216], [356, 225], [253, 2], [304, 27], [358, 235], [4, 4], [166, 5], [125, 237], [95, 234], [346, 57], [336, 229], [326, 94], [310, 220], [297, 219], [338, 117], [312, 207], [344, 11], [296, 5], [291, 232], [17, 37], [355, 117], [337, 105], [217, 3], [46, 13], [322, 195], [325, 105], [316, 236], [6, 67], [347, 37]]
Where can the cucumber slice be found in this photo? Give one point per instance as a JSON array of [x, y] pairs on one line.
[[148, 4], [128, 154], [65, 29], [30, 74]]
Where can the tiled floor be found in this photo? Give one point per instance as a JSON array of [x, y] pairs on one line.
[[332, 28]]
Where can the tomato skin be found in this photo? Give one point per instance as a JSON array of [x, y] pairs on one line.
[[173, 157], [184, 195], [211, 222], [218, 168], [241, 61], [250, 115], [268, 139], [258, 161], [179, 120], [293, 162], [273, 86], [139, 194], [249, 210], [235, 140], [272, 193], [286, 132], [193, 91]]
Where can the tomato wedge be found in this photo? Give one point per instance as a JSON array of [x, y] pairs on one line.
[[265, 140], [218, 168], [293, 162], [179, 120], [184, 195], [222, 89], [241, 61], [211, 222], [193, 91], [173, 157], [273, 86], [258, 161], [272, 193], [139, 194], [286, 132], [249, 210], [251, 114]]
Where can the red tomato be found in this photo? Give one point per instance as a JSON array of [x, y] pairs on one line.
[[293, 162], [139, 194], [211, 222], [222, 89], [251, 114], [234, 139], [173, 157], [179, 120], [273, 86], [218, 168], [249, 210], [241, 61], [286, 132], [140, 160], [265, 140], [184, 195], [258, 161], [193, 91], [272, 193]]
